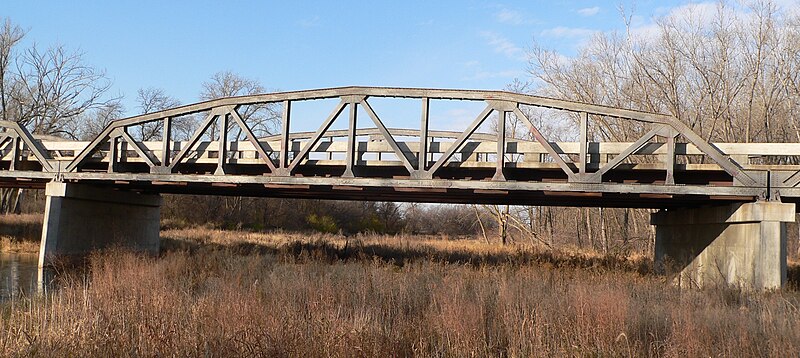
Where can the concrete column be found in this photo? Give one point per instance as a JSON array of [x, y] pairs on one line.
[[80, 218], [741, 245]]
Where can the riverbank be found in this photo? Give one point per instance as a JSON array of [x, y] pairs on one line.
[[20, 233], [397, 249], [12, 245]]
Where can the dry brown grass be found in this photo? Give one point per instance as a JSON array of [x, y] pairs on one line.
[[12, 244], [294, 295], [398, 250], [20, 233]]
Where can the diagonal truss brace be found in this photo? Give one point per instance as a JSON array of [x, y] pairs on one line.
[[137, 146], [93, 146], [729, 165], [459, 142], [547, 146], [387, 136], [317, 135], [252, 138], [792, 180], [597, 176], [215, 113], [22, 133]]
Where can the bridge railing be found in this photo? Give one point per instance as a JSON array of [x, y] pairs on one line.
[[475, 152], [665, 145]]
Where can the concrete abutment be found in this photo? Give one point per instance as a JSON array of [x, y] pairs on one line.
[[740, 245], [80, 218]]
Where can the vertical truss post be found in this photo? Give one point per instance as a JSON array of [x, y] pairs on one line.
[[584, 143], [501, 146], [284, 154], [223, 144], [670, 160], [166, 147], [112, 153], [351, 142], [329, 153], [422, 163], [14, 153], [122, 153]]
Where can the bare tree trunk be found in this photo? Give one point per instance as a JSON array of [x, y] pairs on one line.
[[17, 208], [513, 221], [480, 223], [603, 235], [578, 227], [588, 222], [550, 221], [502, 228], [11, 200], [504, 224], [625, 227]]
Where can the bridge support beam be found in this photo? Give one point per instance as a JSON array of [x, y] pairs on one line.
[[80, 218], [740, 245]]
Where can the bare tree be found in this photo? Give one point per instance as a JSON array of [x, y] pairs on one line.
[[263, 119], [10, 35], [47, 91], [150, 100], [89, 124], [260, 118], [55, 86], [729, 71]]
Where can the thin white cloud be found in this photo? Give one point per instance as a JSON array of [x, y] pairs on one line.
[[471, 64], [503, 45], [483, 75], [589, 11], [310, 21], [514, 17], [508, 16], [567, 32], [454, 119], [702, 12], [474, 71], [791, 6], [699, 13]]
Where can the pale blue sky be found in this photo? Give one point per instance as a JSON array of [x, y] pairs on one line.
[[294, 45]]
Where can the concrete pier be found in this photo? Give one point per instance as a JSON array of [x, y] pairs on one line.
[[80, 218], [740, 245]]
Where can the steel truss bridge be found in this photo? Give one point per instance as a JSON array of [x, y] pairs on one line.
[[669, 166]]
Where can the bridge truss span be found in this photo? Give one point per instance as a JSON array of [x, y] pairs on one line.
[[224, 151]]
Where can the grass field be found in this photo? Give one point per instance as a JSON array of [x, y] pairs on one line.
[[225, 293]]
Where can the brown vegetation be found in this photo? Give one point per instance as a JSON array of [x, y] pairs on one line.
[[292, 295], [20, 233]]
